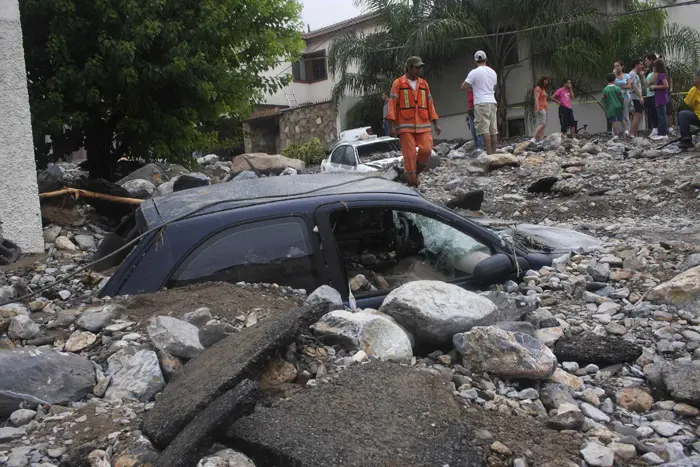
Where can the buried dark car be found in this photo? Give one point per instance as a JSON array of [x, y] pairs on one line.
[[364, 236]]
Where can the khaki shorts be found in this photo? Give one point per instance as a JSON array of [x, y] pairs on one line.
[[541, 117], [486, 119]]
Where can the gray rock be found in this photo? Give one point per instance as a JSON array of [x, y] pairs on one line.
[[42, 376], [18, 457], [22, 416], [508, 309], [593, 413], [85, 242], [568, 417], [552, 142], [198, 317], [226, 458], [141, 189], [51, 233], [595, 454], [666, 429], [209, 159], [651, 458], [245, 175], [166, 188], [135, 374], [289, 171], [693, 461], [682, 382], [175, 336], [150, 172], [517, 326], [590, 148], [503, 353], [325, 294], [690, 262], [375, 333], [599, 271], [435, 311], [95, 319], [213, 332], [9, 433], [62, 243], [23, 327]]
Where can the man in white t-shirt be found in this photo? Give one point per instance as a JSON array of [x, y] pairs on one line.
[[483, 80]]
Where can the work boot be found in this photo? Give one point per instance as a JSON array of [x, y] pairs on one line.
[[412, 180], [686, 144]]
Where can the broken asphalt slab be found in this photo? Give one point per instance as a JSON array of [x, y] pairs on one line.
[[221, 367], [374, 414], [191, 444]]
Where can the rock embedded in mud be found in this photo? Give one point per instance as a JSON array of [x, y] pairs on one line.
[[226, 458], [175, 336], [80, 342], [325, 293], [595, 454], [568, 417], [588, 348], [375, 333], [682, 382], [96, 319], [198, 317], [29, 374], [277, 372], [682, 291], [433, 312], [22, 327], [635, 399], [213, 332], [507, 354], [62, 243], [135, 374]]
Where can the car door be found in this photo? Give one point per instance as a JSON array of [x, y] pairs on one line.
[[342, 159], [440, 224]]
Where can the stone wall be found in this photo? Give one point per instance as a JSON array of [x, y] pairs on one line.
[[19, 197], [262, 136], [301, 124]]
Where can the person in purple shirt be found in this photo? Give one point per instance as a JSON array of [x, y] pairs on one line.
[[662, 98]]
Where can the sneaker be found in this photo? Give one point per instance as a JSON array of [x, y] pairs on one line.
[[614, 138], [686, 144], [627, 135], [654, 132], [659, 137], [533, 140], [670, 130]]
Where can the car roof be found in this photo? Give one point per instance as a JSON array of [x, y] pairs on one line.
[[365, 142], [240, 193]]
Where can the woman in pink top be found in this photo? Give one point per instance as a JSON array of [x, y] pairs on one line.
[[563, 97], [541, 107]]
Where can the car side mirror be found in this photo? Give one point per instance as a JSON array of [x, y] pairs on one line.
[[494, 269]]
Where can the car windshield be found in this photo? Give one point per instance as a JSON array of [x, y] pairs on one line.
[[379, 150]]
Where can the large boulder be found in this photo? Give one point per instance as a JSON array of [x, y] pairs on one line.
[[135, 374], [7, 314], [266, 164], [95, 319], [325, 294], [50, 179], [375, 333], [177, 337], [588, 348], [141, 189], [42, 376], [552, 142], [191, 180], [507, 354], [434, 311], [152, 173], [681, 291], [682, 382]]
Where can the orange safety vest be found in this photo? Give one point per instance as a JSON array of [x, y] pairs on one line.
[[411, 110]]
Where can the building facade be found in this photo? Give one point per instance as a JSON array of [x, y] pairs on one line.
[[20, 214]]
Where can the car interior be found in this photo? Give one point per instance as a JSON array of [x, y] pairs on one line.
[[391, 247]]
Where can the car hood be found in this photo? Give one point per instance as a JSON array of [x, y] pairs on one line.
[[557, 239]]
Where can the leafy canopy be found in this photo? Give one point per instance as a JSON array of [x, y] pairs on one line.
[[147, 78]]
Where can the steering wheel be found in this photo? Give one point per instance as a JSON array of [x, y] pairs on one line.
[[402, 233]]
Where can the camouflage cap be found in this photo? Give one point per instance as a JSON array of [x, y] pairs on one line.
[[414, 62]]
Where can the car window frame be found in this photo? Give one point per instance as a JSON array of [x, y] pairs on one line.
[[337, 150], [331, 251], [312, 238]]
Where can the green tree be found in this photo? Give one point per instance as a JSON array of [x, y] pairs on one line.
[[149, 78]]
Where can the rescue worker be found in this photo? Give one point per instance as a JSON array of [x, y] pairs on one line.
[[411, 112]]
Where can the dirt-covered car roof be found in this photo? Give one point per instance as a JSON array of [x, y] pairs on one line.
[[264, 190]]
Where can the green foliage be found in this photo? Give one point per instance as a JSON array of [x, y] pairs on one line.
[[149, 79], [367, 112], [311, 152]]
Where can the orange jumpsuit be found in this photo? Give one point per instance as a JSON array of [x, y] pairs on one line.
[[413, 111]]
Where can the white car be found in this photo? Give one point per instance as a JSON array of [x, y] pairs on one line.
[[361, 156]]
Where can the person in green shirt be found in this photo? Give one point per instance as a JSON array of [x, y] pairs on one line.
[[614, 102]]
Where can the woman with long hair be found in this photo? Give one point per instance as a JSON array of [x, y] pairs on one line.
[[541, 107], [623, 81], [662, 98]]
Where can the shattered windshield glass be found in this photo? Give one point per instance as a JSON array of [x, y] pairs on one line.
[[378, 151], [453, 250]]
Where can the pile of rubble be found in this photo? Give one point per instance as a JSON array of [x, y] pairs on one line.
[[592, 361]]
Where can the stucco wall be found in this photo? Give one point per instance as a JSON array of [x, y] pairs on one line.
[[301, 124], [20, 216]]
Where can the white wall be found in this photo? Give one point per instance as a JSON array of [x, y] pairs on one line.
[[20, 216]]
